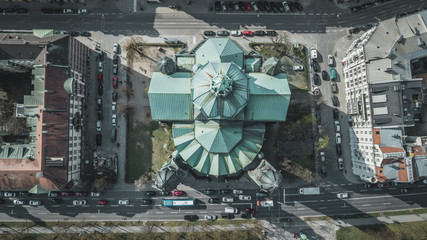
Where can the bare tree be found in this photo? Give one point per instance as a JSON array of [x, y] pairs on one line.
[[124, 108], [134, 48], [128, 90], [16, 126], [279, 41], [140, 183]]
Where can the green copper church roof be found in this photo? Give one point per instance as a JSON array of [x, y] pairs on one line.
[[220, 50], [220, 90], [192, 147]]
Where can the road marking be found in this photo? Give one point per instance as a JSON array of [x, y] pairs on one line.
[[323, 207], [363, 190], [144, 205], [350, 184], [328, 185], [311, 14], [393, 188], [240, 203], [129, 205], [174, 212], [366, 205], [421, 186], [129, 212], [344, 206], [300, 209], [343, 184], [217, 211], [309, 201], [322, 200], [55, 206], [387, 203], [377, 189], [160, 212], [332, 200], [189, 212], [114, 205], [100, 205], [158, 205], [70, 205], [41, 213], [203, 212]]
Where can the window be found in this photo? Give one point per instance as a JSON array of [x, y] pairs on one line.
[[380, 171]]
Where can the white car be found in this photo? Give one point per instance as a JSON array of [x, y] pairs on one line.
[[211, 217], [322, 156], [9, 194], [245, 197], [286, 6], [340, 164], [337, 126], [330, 60], [100, 67], [254, 6], [313, 53], [227, 199], [68, 11], [123, 202], [35, 202], [18, 202], [236, 33], [342, 195], [116, 48], [95, 194], [316, 91], [113, 106], [338, 138], [83, 11], [298, 68], [114, 120], [115, 68], [98, 126], [79, 202]]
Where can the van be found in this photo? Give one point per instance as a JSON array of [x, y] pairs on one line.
[[231, 210], [171, 40], [113, 135]]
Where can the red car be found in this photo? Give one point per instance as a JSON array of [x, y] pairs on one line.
[[248, 6], [81, 194], [102, 202], [67, 194], [99, 78], [177, 193], [115, 82], [248, 33], [386, 184]]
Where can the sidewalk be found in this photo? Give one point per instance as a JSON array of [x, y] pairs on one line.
[[272, 231]]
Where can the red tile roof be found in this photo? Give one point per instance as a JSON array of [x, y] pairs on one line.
[[376, 134], [385, 149]]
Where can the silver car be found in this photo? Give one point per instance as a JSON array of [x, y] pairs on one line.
[[35, 203], [211, 217], [237, 191], [227, 199], [123, 202]]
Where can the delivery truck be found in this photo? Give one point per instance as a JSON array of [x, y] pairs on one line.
[[309, 191]]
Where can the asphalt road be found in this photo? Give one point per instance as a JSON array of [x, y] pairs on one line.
[[187, 23], [295, 205]]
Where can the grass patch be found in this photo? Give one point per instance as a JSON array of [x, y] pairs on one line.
[[409, 230], [148, 148], [369, 215]]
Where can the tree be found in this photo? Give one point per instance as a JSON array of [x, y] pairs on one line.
[[279, 41], [142, 180], [126, 90], [134, 48], [323, 143], [16, 126], [124, 108]]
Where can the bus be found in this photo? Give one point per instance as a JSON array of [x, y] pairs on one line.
[[178, 202]]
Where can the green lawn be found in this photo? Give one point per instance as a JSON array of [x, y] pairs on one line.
[[409, 230], [369, 215]]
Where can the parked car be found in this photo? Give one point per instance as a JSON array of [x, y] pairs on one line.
[[177, 193], [322, 157], [248, 6], [259, 33], [217, 6], [254, 6], [237, 191], [162, 193], [251, 211], [336, 114], [224, 191], [335, 100], [53, 194], [369, 185], [18, 202], [298, 68], [114, 120], [114, 96], [56, 201], [83, 11], [100, 117], [222, 33], [261, 194], [100, 66], [150, 193], [324, 171], [209, 33], [342, 195], [79, 202], [334, 87], [211, 217], [24, 194], [227, 199], [338, 138], [85, 34], [224, 6], [325, 75], [123, 202], [271, 33], [316, 79], [337, 126], [227, 215], [330, 61], [9, 194], [102, 202], [316, 91], [113, 106], [115, 59], [286, 6], [100, 90], [385, 184], [81, 194], [35, 202], [316, 66], [100, 78], [248, 33], [209, 192], [68, 11], [98, 128], [191, 218], [116, 49], [338, 147], [115, 82], [340, 164], [147, 201], [95, 194], [236, 33], [214, 201], [67, 194], [245, 197]]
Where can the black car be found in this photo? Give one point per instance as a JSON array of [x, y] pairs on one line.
[[267, 6], [115, 59], [150, 193], [223, 33], [335, 101], [323, 171], [242, 6], [217, 6], [316, 66], [318, 117], [114, 96], [209, 192], [280, 7], [147, 201], [316, 79], [227, 215], [99, 115], [209, 33], [261, 194], [336, 114], [325, 75], [271, 33], [100, 90], [56, 201], [98, 139], [261, 6], [163, 193], [74, 34], [22, 10], [259, 33], [370, 185], [214, 201], [9, 10], [230, 6], [191, 218], [274, 7], [339, 153], [406, 190], [225, 191], [85, 34], [24, 194]]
